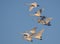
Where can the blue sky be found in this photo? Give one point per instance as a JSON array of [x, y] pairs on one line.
[[15, 19]]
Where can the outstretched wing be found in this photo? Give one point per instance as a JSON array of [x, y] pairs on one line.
[[33, 31], [47, 20], [39, 34], [31, 7], [37, 13]]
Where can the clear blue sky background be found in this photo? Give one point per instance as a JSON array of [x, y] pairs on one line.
[[15, 19]]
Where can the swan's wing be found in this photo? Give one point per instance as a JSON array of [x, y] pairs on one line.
[[33, 31], [31, 7], [48, 20], [39, 34], [34, 4], [37, 13]]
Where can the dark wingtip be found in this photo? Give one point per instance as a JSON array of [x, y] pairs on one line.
[[25, 35], [41, 39], [37, 5], [31, 40], [42, 17], [35, 12], [49, 24]]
